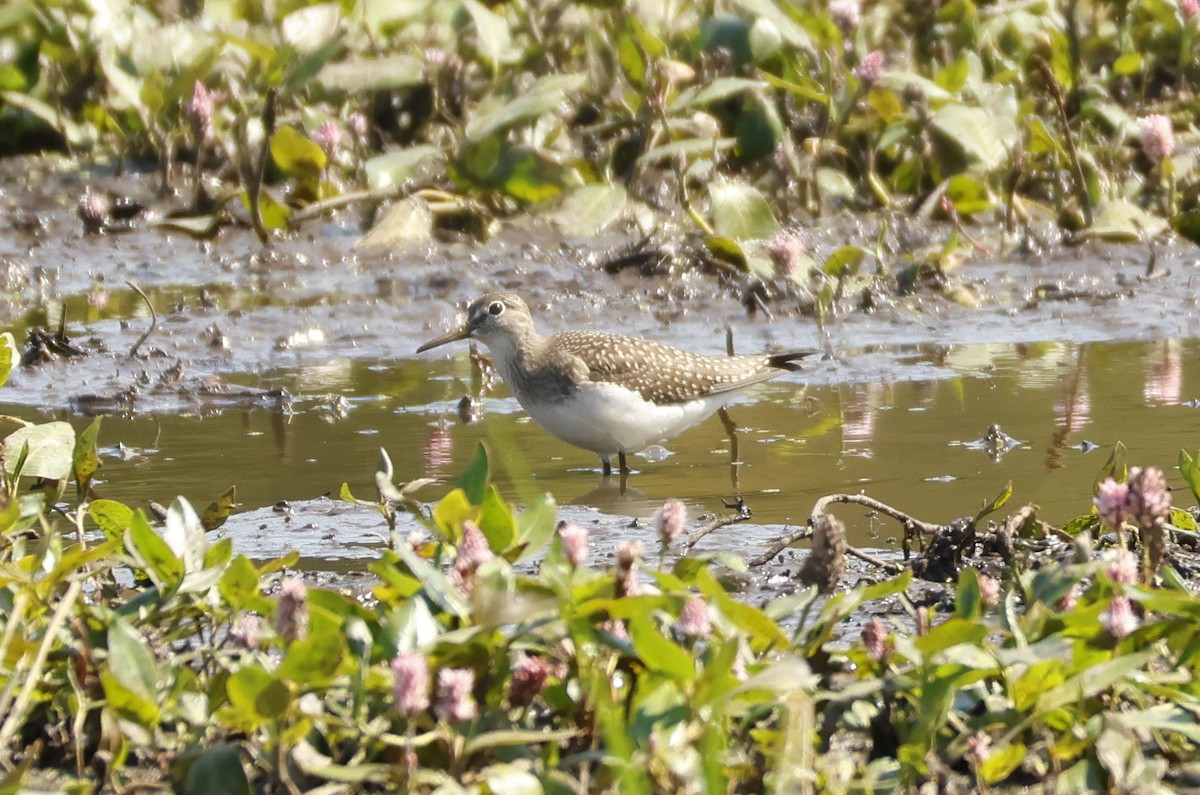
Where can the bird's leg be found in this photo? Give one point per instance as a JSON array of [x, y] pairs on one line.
[[607, 467], [625, 470], [731, 428]]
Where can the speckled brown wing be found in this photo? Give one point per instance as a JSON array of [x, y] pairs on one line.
[[664, 374]]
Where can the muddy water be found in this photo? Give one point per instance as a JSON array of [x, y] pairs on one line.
[[914, 443]]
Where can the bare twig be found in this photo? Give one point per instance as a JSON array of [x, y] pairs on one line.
[[743, 514], [1064, 122], [153, 319]]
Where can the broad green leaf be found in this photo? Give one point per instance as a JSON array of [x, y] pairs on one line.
[[495, 40], [1037, 679], [257, 694], [834, 183], [739, 211], [954, 76], [51, 450], [728, 250], [1183, 520], [450, 513], [130, 659], [496, 521], [313, 661], [1187, 224], [531, 176], [1123, 221], [407, 222], [1128, 64], [547, 94], [392, 169], [368, 75], [314, 763], [726, 32], [9, 356], [1001, 762], [113, 518], [536, 525], [974, 132], [791, 32], [968, 601], [590, 209], [474, 479], [145, 544], [659, 653], [127, 703], [435, 584], [216, 771], [309, 28], [296, 155], [758, 127], [184, 534], [844, 262], [218, 510], [239, 583], [950, 633], [86, 459]]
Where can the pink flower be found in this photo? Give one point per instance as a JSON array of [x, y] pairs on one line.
[[1189, 9], [1149, 495], [1119, 618], [1157, 136], [847, 13], [979, 748], [871, 68], [1113, 503], [329, 137], [875, 639], [200, 111], [989, 590], [245, 631], [574, 542], [672, 517], [628, 555], [693, 619], [786, 250], [358, 124], [410, 673], [291, 617], [474, 547], [455, 697], [95, 210], [1070, 598], [528, 679], [1122, 567]]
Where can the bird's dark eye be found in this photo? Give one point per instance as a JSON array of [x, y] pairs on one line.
[[496, 307]]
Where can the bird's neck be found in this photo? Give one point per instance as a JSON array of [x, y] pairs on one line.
[[519, 358]]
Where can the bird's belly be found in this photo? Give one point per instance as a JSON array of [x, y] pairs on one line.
[[608, 419]]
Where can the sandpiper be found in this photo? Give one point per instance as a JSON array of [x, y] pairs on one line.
[[607, 393]]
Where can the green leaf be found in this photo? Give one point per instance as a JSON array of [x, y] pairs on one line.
[[450, 513], [496, 521], [1123, 221], [590, 209], [216, 771], [407, 222], [739, 211], [184, 534], [147, 546], [218, 511], [728, 32], [1037, 679], [1128, 64], [1075, 526], [1002, 762], [368, 75], [997, 503], [1187, 224], [531, 176], [296, 155], [51, 449], [545, 95], [495, 41], [844, 262], [130, 659], [953, 77], [536, 525], [257, 694], [974, 132], [314, 661], [726, 249], [86, 460], [659, 653], [392, 169], [435, 584], [968, 601], [835, 184], [949, 633], [113, 518], [239, 583], [1183, 520], [127, 703], [474, 479], [9, 356]]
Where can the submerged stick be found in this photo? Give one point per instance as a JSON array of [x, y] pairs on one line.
[[743, 514], [153, 319]]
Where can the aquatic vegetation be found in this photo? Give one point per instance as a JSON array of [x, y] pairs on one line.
[[465, 113]]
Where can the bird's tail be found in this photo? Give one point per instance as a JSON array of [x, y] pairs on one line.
[[788, 361]]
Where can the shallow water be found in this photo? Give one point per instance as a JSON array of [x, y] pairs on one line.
[[912, 443]]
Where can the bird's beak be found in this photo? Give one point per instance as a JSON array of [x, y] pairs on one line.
[[460, 333]]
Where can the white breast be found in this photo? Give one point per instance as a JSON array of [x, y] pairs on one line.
[[608, 419]]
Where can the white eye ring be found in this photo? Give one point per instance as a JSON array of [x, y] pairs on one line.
[[496, 308]]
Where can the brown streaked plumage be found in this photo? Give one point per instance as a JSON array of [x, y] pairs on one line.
[[607, 393]]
